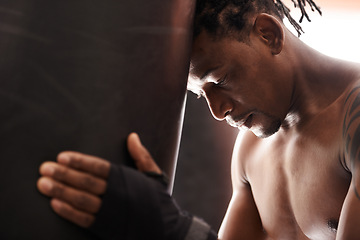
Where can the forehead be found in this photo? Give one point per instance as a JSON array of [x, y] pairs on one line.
[[216, 56], [209, 53], [206, 54]]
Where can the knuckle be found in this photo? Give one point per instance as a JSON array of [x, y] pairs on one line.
[[150, 164], [143, 158], [103, 169], [88, 182], [59, 172], [61, 210], [57, 190], [75, 162], [148, 160], [81, 201]]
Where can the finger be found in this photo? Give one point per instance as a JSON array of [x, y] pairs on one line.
[[86, 163], [143, 160], [78, 199], [73, 178], [70, 213]]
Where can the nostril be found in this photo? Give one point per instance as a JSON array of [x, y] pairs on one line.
[[227, 113]]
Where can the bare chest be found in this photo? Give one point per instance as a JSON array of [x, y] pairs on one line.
[[299, 188]]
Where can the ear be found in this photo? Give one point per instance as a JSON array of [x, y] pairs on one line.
[[270, 31]]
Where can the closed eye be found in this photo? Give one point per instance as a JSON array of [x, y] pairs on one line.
[[222, 81]]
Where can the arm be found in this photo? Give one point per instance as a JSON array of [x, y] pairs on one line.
[[242, 220], [350, 214]]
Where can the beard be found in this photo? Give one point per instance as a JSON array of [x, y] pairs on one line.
[[268, 130], [262, 124]]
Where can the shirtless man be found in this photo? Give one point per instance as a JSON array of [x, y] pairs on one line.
[[295, 169]]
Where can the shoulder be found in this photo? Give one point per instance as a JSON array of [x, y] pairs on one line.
[[352, 95], [351, 124], [245, 145], [351, 110]]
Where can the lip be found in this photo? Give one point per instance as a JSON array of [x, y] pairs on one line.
[[241, 122]]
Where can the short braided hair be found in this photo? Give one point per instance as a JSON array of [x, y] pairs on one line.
[[219, 17]]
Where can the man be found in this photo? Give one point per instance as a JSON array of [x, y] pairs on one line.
[[295, 169]]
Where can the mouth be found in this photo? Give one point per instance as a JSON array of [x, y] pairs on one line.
[[241, 122]]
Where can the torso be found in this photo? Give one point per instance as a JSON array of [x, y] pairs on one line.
[[297, 180]]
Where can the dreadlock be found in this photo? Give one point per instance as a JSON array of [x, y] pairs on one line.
[[300, 4], [219, 17]]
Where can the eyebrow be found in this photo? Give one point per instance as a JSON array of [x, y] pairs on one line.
[[208, 72]]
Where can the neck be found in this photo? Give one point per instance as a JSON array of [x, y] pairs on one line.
[[317, 80]]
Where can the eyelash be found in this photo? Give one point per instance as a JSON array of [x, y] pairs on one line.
[[222, 81]]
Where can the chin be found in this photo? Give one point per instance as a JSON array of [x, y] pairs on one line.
[[266, 131]]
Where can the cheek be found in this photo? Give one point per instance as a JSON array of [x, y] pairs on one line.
[[247, 81], [241, 89], [255, 91]]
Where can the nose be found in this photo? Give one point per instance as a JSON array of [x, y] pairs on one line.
[[219, 103]]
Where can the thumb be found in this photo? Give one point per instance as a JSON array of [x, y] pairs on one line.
[[143, 160]]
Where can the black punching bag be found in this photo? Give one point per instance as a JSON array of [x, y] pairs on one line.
[[81, 75]]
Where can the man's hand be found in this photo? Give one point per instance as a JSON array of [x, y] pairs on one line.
[[76, 181]]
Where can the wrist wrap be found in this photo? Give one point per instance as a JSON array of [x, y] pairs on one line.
[[200, 230], [136, 207]]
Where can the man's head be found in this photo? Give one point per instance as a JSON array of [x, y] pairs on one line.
[[224, 18], [221, 17], [240, 80], [238, 64]]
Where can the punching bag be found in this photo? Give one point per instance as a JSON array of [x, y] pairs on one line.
[[81, 75]]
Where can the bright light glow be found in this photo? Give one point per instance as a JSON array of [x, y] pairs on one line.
[[336, 33]]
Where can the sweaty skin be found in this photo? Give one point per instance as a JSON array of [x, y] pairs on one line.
[[295, 167]]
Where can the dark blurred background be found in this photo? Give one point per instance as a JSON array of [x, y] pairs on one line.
[[203, 179]]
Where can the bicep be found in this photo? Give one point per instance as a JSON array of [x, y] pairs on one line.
[[350, 216], [242, 220], [350, 213]]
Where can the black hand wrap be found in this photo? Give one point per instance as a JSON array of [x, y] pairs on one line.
[[136, 207]]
